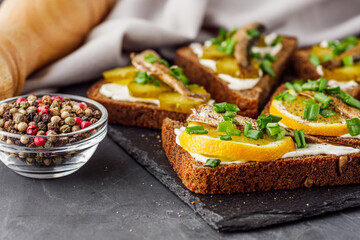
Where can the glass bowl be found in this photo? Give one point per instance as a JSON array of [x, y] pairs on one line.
[[66, 154]]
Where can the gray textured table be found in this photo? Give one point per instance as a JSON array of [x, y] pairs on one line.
[[112, 197]]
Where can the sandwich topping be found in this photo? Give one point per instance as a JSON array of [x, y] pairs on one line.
[[216, 135], [338, 60], [240, 57], [151, 80], [317, 109]]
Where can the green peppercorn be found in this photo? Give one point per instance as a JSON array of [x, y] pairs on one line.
[[24, 104], [19, 118], [55, 119], [75, 128], [65, 129], [24, 140], [65, 114], [88, 112], [13, 110], [70, 121], [31, 98]]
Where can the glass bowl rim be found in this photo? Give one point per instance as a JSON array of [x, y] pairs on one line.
[[99, 106]]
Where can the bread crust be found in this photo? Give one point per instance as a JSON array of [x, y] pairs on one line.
[[249, 100], [133, 114], [290, 173], [304, 69]]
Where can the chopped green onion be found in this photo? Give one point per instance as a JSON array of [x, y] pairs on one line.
[[156, 82], [311, 111], [222, 34], [230, 114], [314, 60], [327, 113], [253, 33], [332, 90], [353, 126], [264, 119], [308, 101], [289, 97], [220, 107], [227, 46], [213, 162], [327, 58], [270, 57], [233, 131], [254, 134], [231, 107], [277, 40], [349, 100], [266, 66], [225, 137], [299, 138], [150, 58], [351, 40], [178, 73], [232, 32], [222, 126], [322, 84], [275, 131], [164, 62], [297, 87], [141, 78], [198, 129], [311, 85], [255, 55], [289, 86], [247, 127], [348, 60], [324, 99]]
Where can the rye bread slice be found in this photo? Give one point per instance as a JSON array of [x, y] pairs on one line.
[[133, 114], [348, 141], [250, 101], [304, 69], [289, 173]]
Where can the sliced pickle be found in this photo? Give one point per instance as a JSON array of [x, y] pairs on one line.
[[175, 102], [321, 52], [120, 73], [345, 73], [212, 53], [121, 81], [147, 90], [230, 67]]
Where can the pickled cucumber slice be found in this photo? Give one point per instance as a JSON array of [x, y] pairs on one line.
[[147, 90], [345, 73], [121, 81], [321, 52], [213, 53], [175, 102], [230, 67], [120, 73]]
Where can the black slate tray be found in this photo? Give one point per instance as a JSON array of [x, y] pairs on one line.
[[236, 211]]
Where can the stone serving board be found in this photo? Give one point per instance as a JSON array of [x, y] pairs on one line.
[[236, 211]]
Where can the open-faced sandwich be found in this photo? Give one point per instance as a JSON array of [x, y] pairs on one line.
[[241, 67], [218, 151], [147, 92], [337, 61]]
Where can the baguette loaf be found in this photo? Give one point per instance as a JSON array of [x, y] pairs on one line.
[[133, 114], [289, 173], [250, 101]]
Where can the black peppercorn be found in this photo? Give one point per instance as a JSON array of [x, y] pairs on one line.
[[37, 118], [46, 118], [41, 126], [7, 116], [30, 116]]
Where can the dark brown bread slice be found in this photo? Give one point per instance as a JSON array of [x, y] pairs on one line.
[[348, 141], [133, 114], [249, 101], [290, 173], [304, 69]]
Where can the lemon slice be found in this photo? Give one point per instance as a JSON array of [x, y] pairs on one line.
[[239, 148], [291, 113]]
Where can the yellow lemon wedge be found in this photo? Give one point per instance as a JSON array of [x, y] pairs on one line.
[[239, 148], [291, 113]]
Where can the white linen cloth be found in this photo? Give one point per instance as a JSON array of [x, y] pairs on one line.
[[134, 25]]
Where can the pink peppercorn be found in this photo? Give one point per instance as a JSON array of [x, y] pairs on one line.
[[31, 130], [43, 109], [85, 124], [39, 141], [78, 121], [82, 106], [20, 99], [38, 101], [57, 97]]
